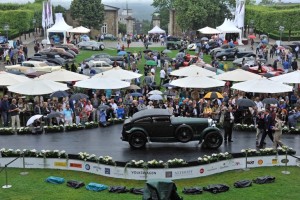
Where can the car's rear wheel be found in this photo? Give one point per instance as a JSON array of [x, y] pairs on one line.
[[184, 134], [213, 140], [137, 140]]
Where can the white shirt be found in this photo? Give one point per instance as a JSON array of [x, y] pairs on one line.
[[162, 73], [259, 105], [153, 70]]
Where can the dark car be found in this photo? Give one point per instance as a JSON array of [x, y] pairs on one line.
[[173, 43], [50, 57], [232, 54], [219, 49], [67, 49], [109, 37], [158, 125]]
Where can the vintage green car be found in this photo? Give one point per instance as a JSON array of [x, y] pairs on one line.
[[173, 43], [158, 125]]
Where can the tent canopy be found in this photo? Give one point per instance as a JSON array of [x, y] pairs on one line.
[[208, 30], [60, 26], [228, 26], [237, 76], [156, 29], [79, 29]]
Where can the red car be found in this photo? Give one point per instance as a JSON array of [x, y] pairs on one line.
[[266, 69]]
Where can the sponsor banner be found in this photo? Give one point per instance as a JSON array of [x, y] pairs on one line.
[[142, 174]]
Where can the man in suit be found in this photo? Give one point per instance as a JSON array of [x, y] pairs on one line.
[[269, 123], [228, 124]]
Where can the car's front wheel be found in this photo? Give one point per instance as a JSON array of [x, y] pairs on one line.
[[213, 140], [137, 140], [184, 134], [102, 47]]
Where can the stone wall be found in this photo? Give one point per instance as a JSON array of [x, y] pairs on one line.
[[156, 22], [173, 27]]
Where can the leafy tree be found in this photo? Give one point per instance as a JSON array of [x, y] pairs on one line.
[[122, 28], [267, 2], [89, 13], [159, 4], [59, 9]]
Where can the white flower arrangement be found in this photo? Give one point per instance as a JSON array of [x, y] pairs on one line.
[[83, 155], [137, 164], [250, 152], [176, 163], [155, 164], [6, 131], [107, 160]]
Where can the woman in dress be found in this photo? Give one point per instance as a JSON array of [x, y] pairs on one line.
[[278, 131]]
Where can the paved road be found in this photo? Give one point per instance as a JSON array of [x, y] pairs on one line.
[[106, 141]]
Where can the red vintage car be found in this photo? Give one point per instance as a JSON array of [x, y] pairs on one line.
[[266, 69]]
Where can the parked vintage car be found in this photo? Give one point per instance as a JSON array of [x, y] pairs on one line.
[[32, 66], [51, 57], [61, 52], [100, 66], [109, 37], [249, 61], [173, 43], [231, 54], [91, 45], [67, 49], [158, 125], [71, 46], [221, 48]]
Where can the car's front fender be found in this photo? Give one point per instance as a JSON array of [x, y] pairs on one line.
[[207, 130]]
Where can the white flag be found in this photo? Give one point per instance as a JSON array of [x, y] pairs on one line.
[[51, 13], [43, 16], [236, 12], [241, 14]]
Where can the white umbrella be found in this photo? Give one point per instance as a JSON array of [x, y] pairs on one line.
[[155, 92], [156, 97], [63, 76], [208, 30], [79, 29], [37, 87], [119, 73], [237, 75], [293, 77], [192, 70], [31, 119], [11, 79], [197, 82], [102, 83], [262, 86]]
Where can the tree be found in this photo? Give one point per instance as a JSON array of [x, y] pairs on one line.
[[59, 9], [194, 14], [122, 28], [159, 4], [89, 13], [267, 2]]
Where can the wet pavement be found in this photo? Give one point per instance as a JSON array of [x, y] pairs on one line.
[[106, 141]]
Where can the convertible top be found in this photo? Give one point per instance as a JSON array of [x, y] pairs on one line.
[[151, 112]]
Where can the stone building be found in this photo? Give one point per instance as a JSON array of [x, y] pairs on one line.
[[110, 23], [130, 25], [155, 20]]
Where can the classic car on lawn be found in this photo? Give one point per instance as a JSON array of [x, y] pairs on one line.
[[32, 66], [93, 45], [158, 125], [231, 54]]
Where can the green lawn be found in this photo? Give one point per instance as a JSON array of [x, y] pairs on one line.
[[87, 53], [33, 187]]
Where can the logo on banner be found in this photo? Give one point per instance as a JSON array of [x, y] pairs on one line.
[[87, 167], [118, 172], [60, 164], [201, 171], [260, 162], [274, 161], [144, 172], [107, 170], [97, 168], [183, 172], [284, 161], [169, 174], [76, 165], [251, 162], [224, 166], [237, 163]]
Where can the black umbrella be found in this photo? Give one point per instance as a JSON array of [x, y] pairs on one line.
[[245, 103], [167, 85], [147, 51], [270, 101], [59, 93], [136, 94], [169, 93], [79, 96], [103, 107], [54, 114]]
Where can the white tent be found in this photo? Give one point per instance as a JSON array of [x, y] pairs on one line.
[[208, 30], [229, 27], [292, 77], [60, 26], [156, 29], [237, 75], [79, 29]]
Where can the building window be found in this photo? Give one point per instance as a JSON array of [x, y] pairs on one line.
[[104, 28]]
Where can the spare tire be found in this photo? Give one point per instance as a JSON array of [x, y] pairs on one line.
[[184, 134]]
